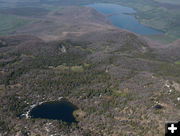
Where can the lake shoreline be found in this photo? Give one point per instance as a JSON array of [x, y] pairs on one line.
[[125, 18], [26, 114]]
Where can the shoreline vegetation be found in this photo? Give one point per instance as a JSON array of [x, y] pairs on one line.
[[26, 114], [117, 12], [154, 14]]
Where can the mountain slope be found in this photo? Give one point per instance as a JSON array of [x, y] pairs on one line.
[[118, 85], [121, 84]]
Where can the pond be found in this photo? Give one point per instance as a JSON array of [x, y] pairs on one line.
[[55, 110], [123, 17]]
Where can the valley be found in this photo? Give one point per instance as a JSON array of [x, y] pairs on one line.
[[157, 14]]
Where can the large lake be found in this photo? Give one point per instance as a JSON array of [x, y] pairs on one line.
[[123, 17]]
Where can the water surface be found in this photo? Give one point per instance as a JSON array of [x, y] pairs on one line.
[[56, 110], [123, 17]]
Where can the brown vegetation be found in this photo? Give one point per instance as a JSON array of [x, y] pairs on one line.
[[113, 76]]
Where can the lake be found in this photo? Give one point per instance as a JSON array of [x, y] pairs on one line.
[[56, 110], [123, 17]]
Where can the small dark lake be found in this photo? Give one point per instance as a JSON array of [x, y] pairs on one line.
[[123, 17], [56, 110]]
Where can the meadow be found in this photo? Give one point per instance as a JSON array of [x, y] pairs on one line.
[[157, 14], [169, 1]]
